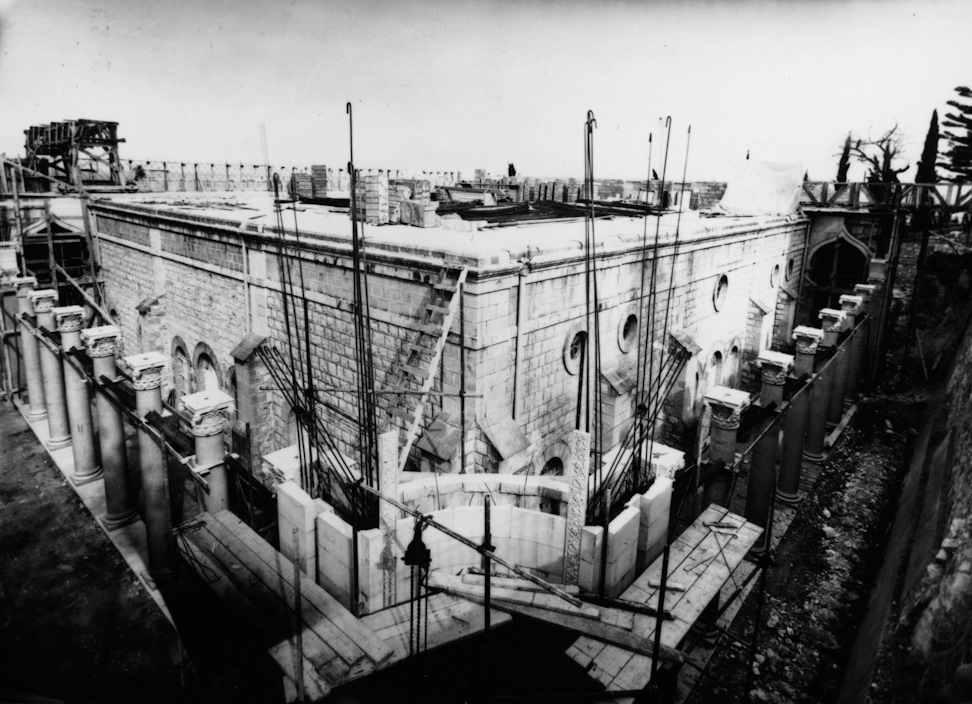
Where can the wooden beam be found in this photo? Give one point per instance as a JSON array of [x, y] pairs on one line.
[[87, 297]]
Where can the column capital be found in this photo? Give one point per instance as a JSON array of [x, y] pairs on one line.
[[24, 285], [807, 339], [207, 409], [877, 270], [851, 305], [68, 318], [865, 291], [832, 319], [775, 366], [43, 300], [146, 369], [101, 341], [727, 405]]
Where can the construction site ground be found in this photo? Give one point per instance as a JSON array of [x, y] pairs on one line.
[[822, 570], [76, 624]]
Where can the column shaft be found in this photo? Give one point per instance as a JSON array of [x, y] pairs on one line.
[[58, 424], [36, 409], [838, 386], [86, 469], [114, 461], [147, 378], [761, 487]]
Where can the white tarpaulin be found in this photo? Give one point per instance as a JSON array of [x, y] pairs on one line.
[[763, 188]]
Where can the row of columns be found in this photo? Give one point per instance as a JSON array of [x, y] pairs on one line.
[[832, 380], [60, 393]]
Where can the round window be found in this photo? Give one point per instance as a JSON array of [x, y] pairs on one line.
[[628, 332], [720, 292], [775, 276], [790, 266], [574, 350]]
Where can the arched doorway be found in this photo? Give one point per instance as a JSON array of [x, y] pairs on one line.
[[835, 267]]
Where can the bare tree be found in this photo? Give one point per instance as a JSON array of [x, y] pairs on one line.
[[879, 156]]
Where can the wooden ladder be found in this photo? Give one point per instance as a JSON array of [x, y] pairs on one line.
[[443, 303]]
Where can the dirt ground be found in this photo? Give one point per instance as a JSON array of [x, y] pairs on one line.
[[75, 624], [823, 570]]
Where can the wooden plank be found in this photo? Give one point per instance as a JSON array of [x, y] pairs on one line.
[[243, 608], [328, 606], [537, 600], [450, 619], [696, 563], [324, 657], [275, 578]]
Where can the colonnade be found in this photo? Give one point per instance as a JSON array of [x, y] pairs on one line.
[[55, 347], [802, 399]]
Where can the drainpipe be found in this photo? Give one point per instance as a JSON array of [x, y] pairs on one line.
[[520, 343]]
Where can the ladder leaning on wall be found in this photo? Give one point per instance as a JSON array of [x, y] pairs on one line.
[[424, 353]]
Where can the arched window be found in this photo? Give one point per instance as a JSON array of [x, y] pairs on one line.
[[182, 379], [207, 378]]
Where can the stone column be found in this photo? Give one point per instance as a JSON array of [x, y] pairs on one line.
[[857, 378], [775, 367], [69, 320], [726, 405], [831, 321], [100, 343], [577, 475], [838, 391], [208, 420], [795, 429], [36, 409], [147, 378], [57, 418], [388, 514]]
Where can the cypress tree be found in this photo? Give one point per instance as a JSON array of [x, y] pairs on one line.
[[957, 158], [844, 164], [926, 166]]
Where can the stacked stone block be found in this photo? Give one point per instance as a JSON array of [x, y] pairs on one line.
[[371, 198], [319, 183]]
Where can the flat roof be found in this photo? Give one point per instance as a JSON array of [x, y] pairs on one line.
[[251, 211]]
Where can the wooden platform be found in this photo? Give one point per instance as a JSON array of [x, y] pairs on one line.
[[701, 560], [450, 619], [256, 583], [605, 624]]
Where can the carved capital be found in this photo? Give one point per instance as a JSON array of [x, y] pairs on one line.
[[807, 339], [8, 274], [101, 341], [865, 291], [208, 409], [775, 366], [43, 300], [831, 320], [851, 305], [727, 405], [146, 369], [24, 285], [68, 318]]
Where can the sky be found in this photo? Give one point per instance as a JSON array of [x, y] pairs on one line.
[[464, 84]]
